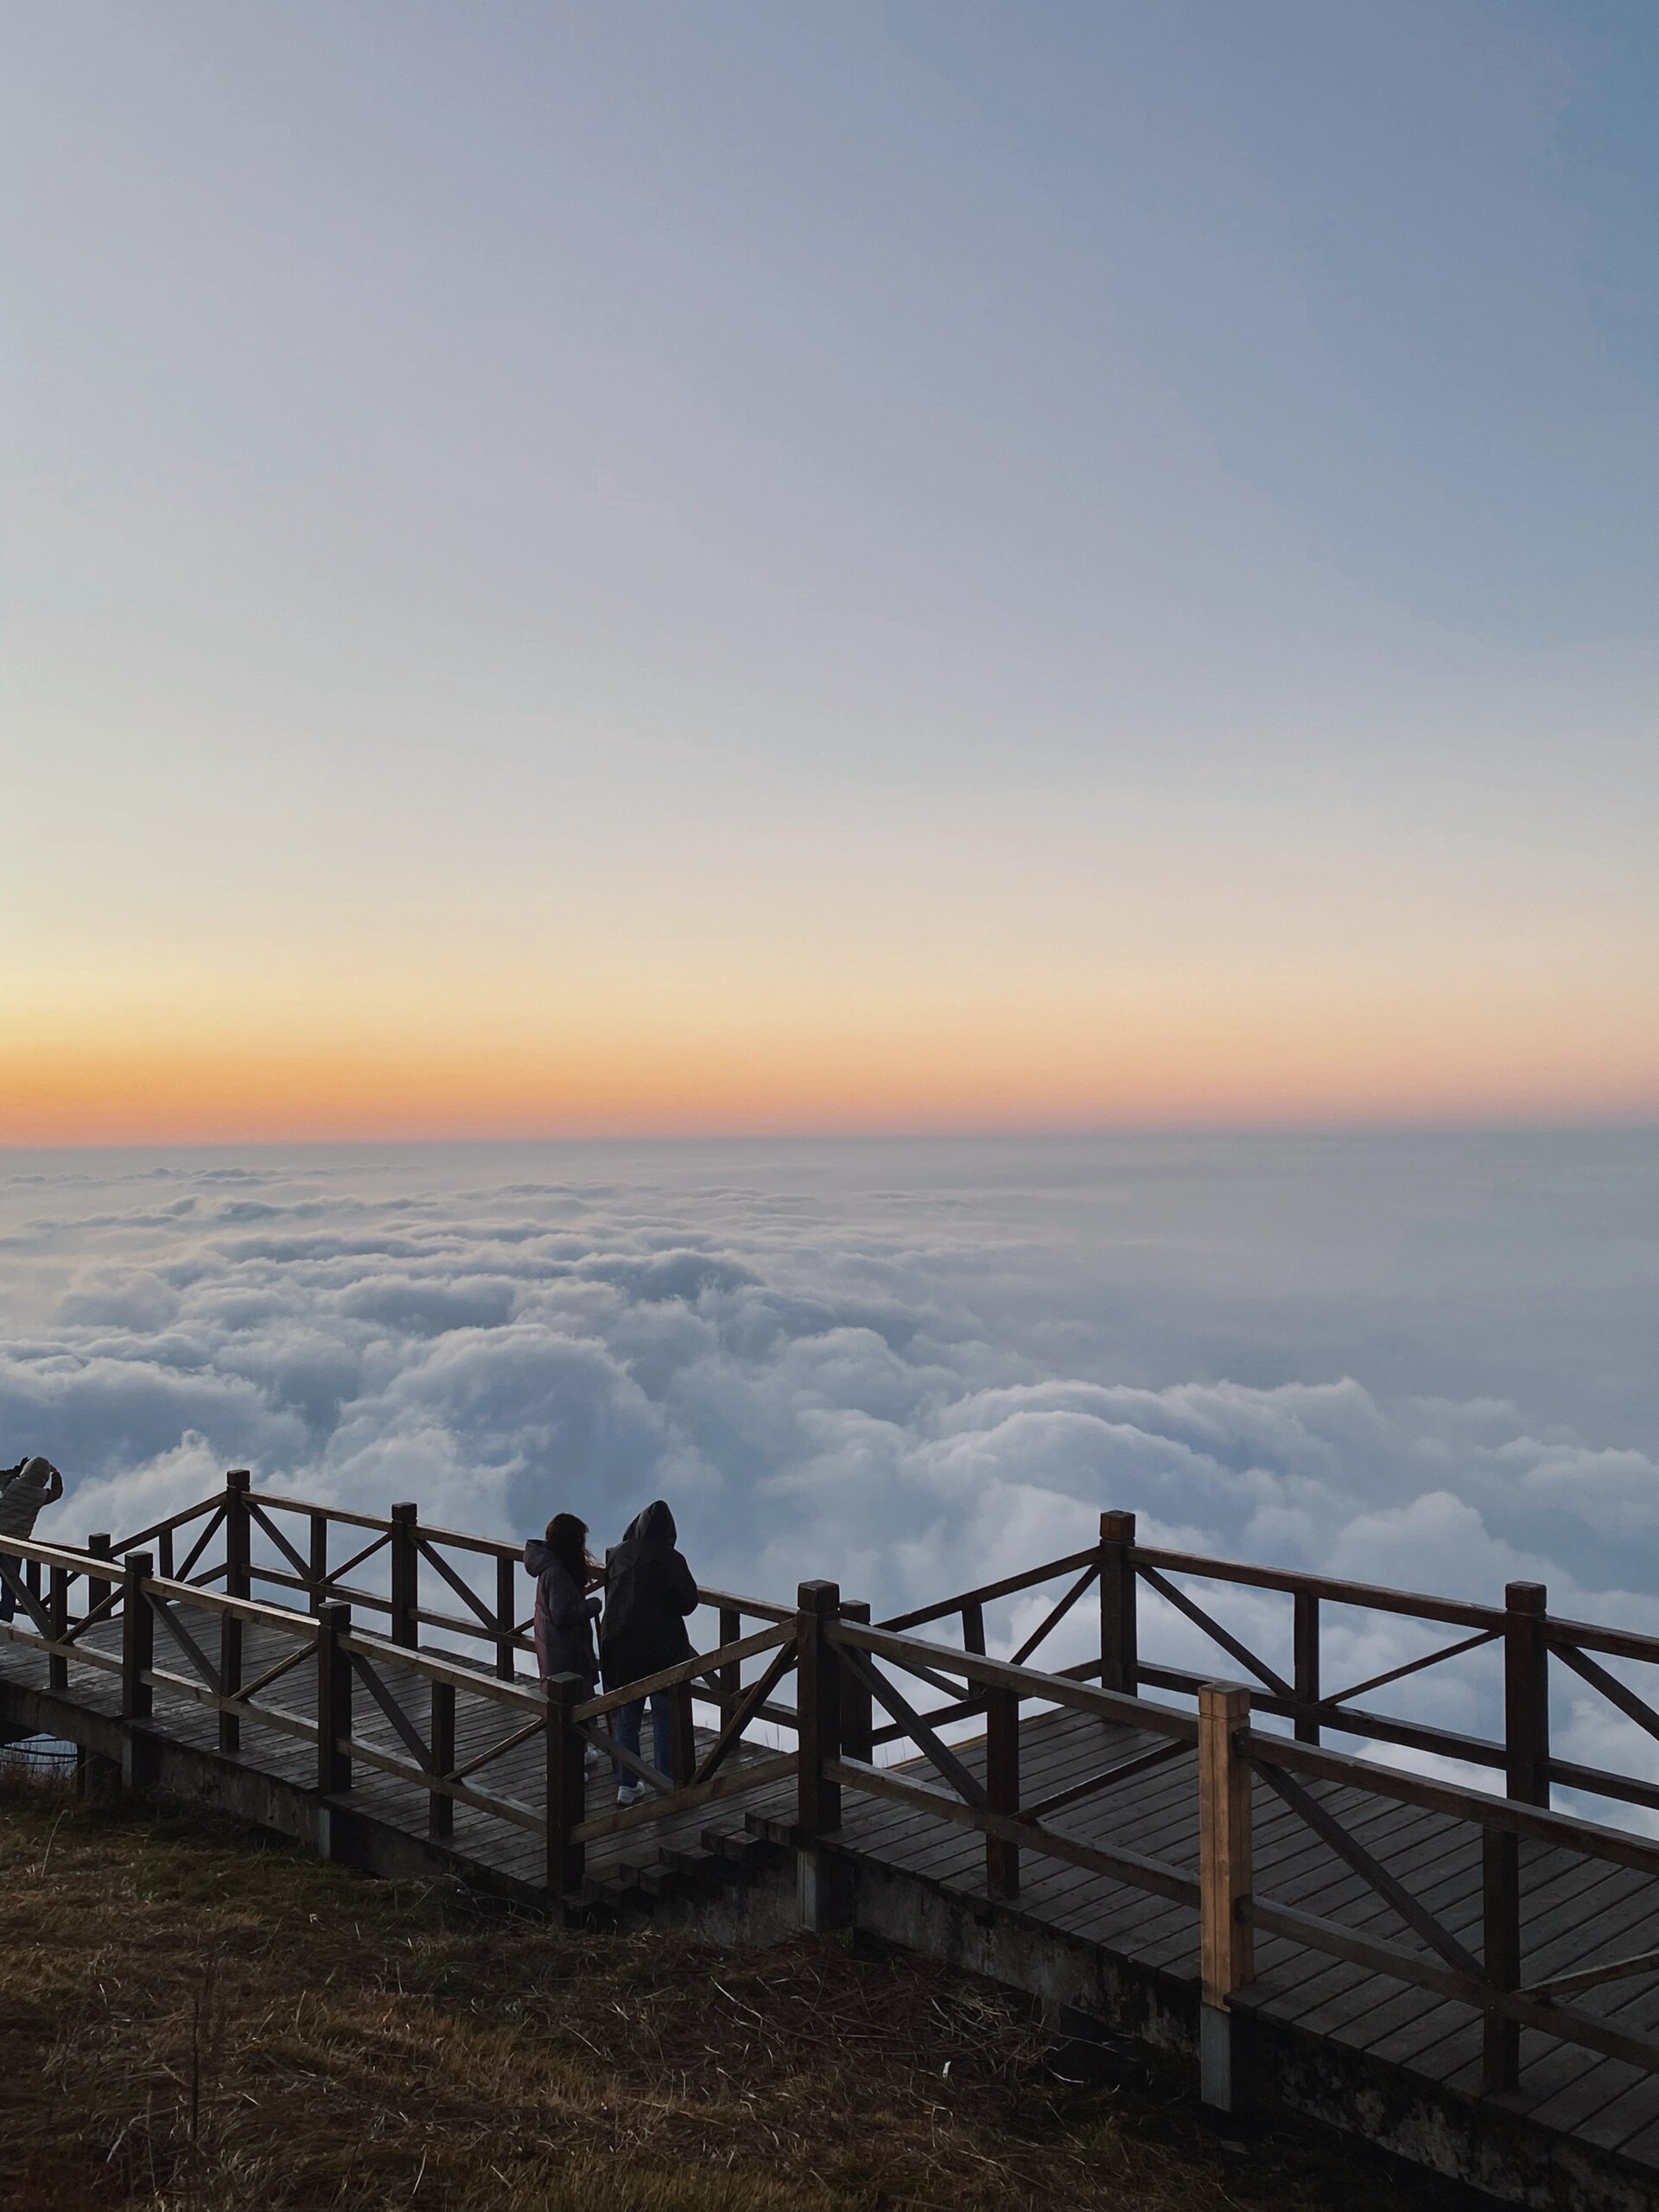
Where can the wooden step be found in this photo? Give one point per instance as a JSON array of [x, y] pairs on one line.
[[748, 1853]]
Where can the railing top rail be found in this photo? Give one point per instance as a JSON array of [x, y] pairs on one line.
[[1026, 1681], [288, 1619], [989, 1590], [79, 1563], [759, 1609], [1564, 1831], [308, 1506], [526, 1696], [500, 1548], [461, 1540], [1587, 1636], [1367, 1596], [1370, 1596], [172, 1521]]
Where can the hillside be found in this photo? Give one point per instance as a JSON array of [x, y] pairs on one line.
[[193, 2016]]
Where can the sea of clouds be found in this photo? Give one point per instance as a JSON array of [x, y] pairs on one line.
[[1422, 1360]]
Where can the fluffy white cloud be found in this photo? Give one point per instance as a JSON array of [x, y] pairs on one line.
[[910, 1388]]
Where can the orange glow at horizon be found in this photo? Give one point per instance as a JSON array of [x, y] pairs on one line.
[[1020, 1067]]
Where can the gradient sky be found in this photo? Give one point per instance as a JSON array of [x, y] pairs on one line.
[[665, 568]]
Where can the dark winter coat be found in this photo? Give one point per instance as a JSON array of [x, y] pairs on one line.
[[648, 1592], [24, 1490], [564, 1617]]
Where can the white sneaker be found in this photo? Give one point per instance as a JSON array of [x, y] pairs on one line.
[[630, 1793]]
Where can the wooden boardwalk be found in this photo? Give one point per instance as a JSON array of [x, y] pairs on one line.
[[1474, 1981]]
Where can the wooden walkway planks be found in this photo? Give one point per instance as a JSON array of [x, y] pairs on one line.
[[1573, 1911]]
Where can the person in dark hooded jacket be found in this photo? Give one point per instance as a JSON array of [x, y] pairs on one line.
[[649, 1590]]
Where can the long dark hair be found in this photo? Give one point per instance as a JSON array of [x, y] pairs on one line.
[[567, 1539]]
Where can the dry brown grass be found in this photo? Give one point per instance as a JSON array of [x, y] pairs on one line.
[[192, 2018]]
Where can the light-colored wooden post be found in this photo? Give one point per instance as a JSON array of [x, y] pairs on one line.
[[1227, 1944]]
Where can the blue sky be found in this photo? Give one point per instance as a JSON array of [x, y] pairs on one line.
[[537, 518]]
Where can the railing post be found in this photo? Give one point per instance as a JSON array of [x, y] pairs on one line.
[[405, 1576], [318, 1559], [857, 1705], [1227, 1945], [1305, 1638], [1119, 1655], [817, 1708], [566, 1782], [99, 1587], [973, 1627], [682, 1760], [1500, 1899], [137, 1657], [334, 1719], [239, 1583], [1526, 1693], [138, 1639], [441, 1809], [230, 1674], [817, 1719], [730, 1678], [57, 1614], [1002, 1789], [238, 1550], [506, 1657]]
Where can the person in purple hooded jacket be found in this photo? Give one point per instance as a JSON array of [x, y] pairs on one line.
[[564, 1611]]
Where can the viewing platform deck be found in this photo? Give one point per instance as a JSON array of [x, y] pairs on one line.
[[1465, 1977]]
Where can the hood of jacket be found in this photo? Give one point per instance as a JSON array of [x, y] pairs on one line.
[[33, 1474], [654, 1526], [538, 1555]]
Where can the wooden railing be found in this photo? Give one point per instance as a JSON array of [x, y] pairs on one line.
[[1523, 1634], [879, 1711], [63, 1595], [1472, 1952]]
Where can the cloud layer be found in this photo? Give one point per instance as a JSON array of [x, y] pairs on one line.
[[908, 1384]]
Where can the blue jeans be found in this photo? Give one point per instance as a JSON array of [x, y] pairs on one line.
[[626, 1719]]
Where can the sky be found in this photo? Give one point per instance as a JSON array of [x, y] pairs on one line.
[[594, 569], [1418, 1358]]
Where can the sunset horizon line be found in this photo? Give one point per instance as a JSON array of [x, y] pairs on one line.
[[1632, 1120]]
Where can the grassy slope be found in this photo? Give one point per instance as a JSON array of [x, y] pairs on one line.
[[192, 2017]]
